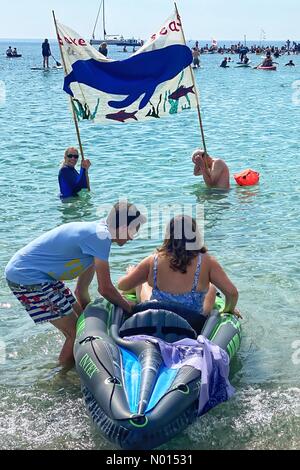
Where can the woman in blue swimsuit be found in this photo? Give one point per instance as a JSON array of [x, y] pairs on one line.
[[181, 271]]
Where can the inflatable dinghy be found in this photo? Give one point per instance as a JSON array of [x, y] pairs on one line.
[[134, 399]]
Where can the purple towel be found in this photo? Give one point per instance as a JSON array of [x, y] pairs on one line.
[[202, 354]]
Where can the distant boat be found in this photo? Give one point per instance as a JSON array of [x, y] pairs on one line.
[[112, 39]]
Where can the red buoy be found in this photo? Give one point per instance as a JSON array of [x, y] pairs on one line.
[[247, 178]]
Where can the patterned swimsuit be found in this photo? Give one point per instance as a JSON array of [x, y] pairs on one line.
[[192, 300]]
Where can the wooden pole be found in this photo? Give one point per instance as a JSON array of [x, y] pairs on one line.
[[195, 88], [72, 104]]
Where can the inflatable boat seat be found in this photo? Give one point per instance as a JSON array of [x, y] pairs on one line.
[[159, 323]]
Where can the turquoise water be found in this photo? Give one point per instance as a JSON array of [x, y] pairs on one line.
[[250, 121]]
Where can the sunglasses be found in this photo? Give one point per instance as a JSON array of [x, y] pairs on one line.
[[73, 156]]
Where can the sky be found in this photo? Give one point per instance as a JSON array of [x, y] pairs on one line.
[[202, 19]]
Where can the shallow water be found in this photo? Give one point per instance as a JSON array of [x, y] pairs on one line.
[[250, 121]]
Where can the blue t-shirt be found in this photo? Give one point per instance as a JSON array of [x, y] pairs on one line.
[[71, 182], [63, 253]]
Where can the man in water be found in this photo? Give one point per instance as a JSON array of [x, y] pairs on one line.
[[9, 52], [76, 250], [196, 55], [215, 172], [290, 64]]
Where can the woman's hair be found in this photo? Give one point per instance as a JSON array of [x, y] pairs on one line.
[[182, 242]]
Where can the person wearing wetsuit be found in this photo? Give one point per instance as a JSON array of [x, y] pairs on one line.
[[70, 181], [46, 51]]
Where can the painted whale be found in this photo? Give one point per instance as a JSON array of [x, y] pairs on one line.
[[138, 75]]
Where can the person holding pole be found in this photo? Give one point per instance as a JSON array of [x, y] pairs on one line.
[[215, 172], [70, 181], [83, 164]]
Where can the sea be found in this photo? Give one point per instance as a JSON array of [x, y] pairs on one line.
[[251, 119]]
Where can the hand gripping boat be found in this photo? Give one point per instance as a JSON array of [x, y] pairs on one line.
[[135, 401]]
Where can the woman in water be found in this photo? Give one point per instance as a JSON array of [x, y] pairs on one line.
[[70, 181], [182, 272]]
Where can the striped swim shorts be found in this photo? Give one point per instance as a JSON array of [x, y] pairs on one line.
[[44, 302]]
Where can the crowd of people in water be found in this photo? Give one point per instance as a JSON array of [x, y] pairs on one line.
[[288, 48], [241, 49], [269, 54]]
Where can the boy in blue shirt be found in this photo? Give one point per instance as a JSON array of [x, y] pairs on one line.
[[36, 273]]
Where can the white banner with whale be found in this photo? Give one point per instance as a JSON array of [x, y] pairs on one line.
[[154, 82]]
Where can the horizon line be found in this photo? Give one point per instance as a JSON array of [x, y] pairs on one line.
[[207, 40]]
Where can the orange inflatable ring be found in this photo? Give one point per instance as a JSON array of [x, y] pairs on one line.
[[247, 178]]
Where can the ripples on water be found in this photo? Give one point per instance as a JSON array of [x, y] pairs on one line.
[[250, 121]]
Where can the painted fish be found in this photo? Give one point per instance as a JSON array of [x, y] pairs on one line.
[[122, 116], [181, 91]]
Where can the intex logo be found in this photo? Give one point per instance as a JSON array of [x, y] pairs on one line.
[[2, 92], [88, 365]]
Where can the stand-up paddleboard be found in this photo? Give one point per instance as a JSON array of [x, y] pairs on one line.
[[47, 69], [242, 65]]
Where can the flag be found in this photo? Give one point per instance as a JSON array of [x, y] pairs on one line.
[[156, 81]]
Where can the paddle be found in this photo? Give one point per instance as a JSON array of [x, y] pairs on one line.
[[58, 64]]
